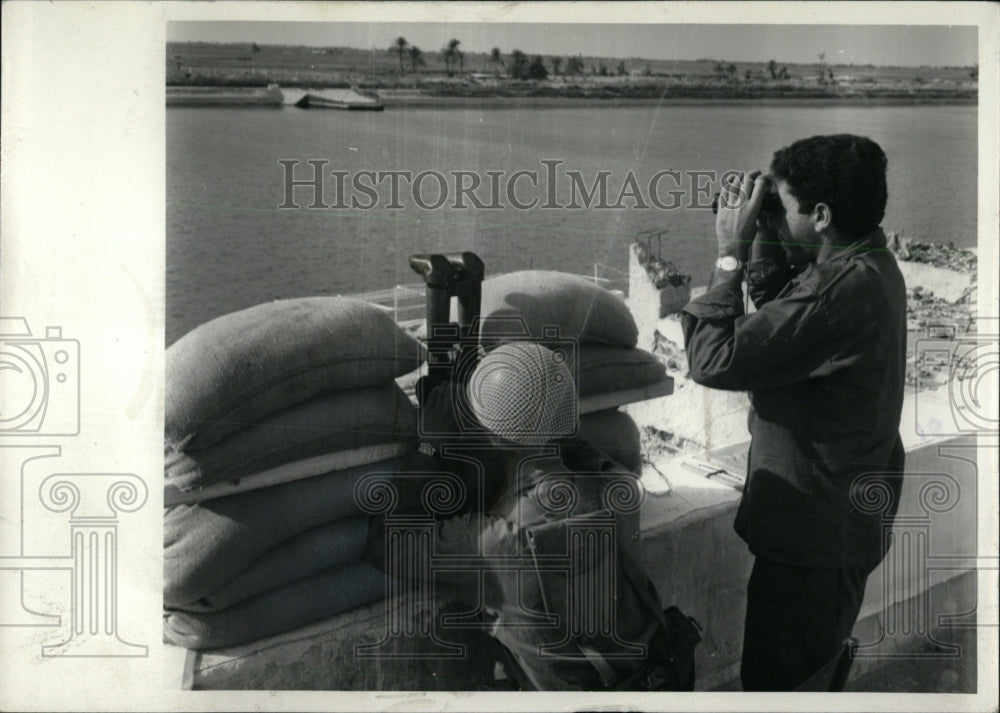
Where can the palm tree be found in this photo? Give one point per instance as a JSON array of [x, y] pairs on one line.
[[574, 66], [536, 70], [772, 67], [416, 58], [556, 64], [399, 47], [822, 67], [452, 56], [496, 59], [518, 65]]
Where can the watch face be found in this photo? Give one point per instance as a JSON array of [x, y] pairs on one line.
[[729, 263]]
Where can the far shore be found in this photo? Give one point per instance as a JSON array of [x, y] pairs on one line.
[[497, 79], [502, 102], [415, 98]]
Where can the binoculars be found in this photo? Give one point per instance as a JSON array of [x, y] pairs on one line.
[[771, 205], [452, 347]]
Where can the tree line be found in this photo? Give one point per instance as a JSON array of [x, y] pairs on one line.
[[518, 65]]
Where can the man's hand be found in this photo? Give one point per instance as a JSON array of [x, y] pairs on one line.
[[739, 206]]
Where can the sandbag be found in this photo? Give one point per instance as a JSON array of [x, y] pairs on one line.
[[304, 555], [300, 603], [208, 544], [580, 308], [616, 434], [329, 423], [605, 369], [239, 368]]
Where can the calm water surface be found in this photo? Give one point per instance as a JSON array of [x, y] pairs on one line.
[[229, 246]]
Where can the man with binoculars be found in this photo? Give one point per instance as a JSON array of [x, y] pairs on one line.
[[823, 357]]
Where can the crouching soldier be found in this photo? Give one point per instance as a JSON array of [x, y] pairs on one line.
[[547, 530]]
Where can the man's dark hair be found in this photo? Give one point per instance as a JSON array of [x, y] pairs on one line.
[[844, 171]]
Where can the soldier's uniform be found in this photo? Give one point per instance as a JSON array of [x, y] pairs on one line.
[[559, 590], [541, 549]]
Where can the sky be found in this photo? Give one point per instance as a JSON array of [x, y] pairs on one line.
[[884, 45]]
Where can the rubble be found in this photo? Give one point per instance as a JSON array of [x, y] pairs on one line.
[[946, 256], [929, 315], [924, 310]]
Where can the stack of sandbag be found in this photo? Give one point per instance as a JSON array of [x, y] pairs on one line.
[[552, 308], [282, 408], [615, 433]]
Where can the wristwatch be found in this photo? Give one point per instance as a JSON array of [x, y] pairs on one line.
[[729, 263]]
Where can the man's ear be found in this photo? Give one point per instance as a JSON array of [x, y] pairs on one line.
[[822, 217]]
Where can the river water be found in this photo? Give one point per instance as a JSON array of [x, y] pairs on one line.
[[231, 245]]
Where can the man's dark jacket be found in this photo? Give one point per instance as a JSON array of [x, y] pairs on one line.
[[824, 360]]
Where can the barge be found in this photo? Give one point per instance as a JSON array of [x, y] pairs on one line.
[[350, 99]]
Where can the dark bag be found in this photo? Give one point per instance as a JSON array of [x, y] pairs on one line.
[[670, 666], [671, 661], [670, 645]]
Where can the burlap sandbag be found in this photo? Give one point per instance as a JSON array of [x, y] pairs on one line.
[[605, 369], [328, 423], [616, 434], [297, 604], [239, 368], [311, 552], [579, 308], [208, 544]]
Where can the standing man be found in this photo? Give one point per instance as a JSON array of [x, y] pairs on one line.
[[823, 358]]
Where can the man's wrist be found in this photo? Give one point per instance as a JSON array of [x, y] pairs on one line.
[[727, 275], [730, 263], [740, 252]]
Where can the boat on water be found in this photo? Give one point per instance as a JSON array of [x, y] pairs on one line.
[[350, 99]]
